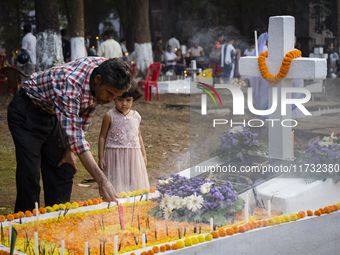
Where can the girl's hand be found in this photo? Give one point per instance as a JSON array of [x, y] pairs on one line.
[[101, 164], [146, 161], [69, 158]]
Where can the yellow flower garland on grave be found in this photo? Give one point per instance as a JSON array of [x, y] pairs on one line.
[[284, 66]]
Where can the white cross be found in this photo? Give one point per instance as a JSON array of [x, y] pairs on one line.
[[280, 42]]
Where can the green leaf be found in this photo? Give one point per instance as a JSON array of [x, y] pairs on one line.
[[13, 240]]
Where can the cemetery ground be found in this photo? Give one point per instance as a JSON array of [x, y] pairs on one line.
[[165, 131]]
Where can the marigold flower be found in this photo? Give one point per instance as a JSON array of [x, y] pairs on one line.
[[293, 217], [145, 191], [162, 248], [16, 215], [2, 218], [317, 213], [229, 232], [42, 210], [254, 224], [10, 217], [310, 213], [80, 203], [265, 223], [259, 224], [95, 201], [201, 239], [144, 253], [152, 189], [150, 252], [235, 229], [174, 246], [215, 234], [21, 214], [168, 246], [132, 253], [28, 213], [277, 220], [322, 210], [86, 203], [336, 208], [249, 226], [155, 249], [209, 237], [180, 244], [222, 232], [242, 229], [194, 240], [187, 242], [100, 199], [34, 212]]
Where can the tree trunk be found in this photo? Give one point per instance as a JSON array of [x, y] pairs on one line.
[[143, 49], [77, 30], [49, 50]]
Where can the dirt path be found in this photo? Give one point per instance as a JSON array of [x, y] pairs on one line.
[[165, 132]]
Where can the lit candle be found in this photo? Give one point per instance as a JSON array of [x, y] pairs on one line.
[[269, 209], [143, 240], [211, 224], [62, 247], [115, 245], [36, 243], [121, 213], [246, 208], [37, 210], [10, 232], [86, 248], [256, 49]]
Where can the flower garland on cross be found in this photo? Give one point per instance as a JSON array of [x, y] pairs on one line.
[[284, 66]]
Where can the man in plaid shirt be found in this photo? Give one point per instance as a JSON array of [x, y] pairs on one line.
[[48, 120]]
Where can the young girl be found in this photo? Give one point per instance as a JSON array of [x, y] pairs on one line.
[[125, 159]]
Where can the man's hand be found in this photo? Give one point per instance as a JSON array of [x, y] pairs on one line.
[[69, 158], [108, 192]]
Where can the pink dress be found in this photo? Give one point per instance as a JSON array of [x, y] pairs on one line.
[[125, 166]]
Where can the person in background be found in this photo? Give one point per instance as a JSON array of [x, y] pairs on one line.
[[124, 162], [215, 57], [157, 50], [170, 58], [29, 44], [251, 47], [188, 60], [109, 48], [180, 65], [196, 50], [174, 43], [330, 60], [89, 50], [228, 54], [124, 49], [237, 57], [202, 61], [66, 45]]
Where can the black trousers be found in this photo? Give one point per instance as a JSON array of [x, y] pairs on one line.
[[39, 144]]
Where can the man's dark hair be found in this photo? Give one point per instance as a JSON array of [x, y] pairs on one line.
[[63, 32], [122, 40], [27, 28], [108, 33], [114, 72], [133, 92], [173, 35]]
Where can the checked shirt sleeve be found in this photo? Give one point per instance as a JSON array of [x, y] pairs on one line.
[[67, 107]]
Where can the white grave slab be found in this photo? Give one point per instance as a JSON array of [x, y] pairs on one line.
[[185, 86], [280, 42]]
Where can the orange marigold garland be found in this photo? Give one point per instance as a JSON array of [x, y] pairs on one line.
[[284, 66]]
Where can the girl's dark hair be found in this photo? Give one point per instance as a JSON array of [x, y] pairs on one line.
[[133, 92]]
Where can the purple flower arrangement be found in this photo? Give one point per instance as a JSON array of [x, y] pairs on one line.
[[238, 142], [198, 199]]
